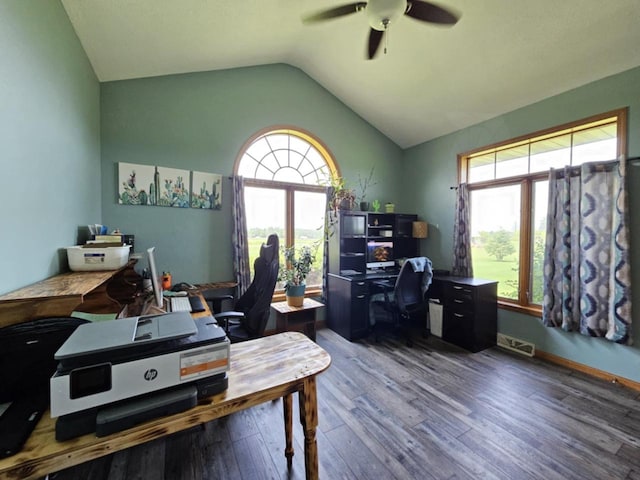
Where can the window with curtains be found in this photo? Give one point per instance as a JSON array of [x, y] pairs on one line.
[[508, 195], [285, 173]]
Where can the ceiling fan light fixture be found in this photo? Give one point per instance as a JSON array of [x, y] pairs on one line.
[[382, 13]]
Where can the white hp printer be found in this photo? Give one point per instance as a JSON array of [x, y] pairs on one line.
[[147, 366]]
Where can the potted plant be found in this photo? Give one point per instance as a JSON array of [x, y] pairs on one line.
[[363, 185], [343, 198], [340, 198], [294, 272]]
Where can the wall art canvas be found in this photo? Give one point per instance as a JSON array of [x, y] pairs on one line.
[[206, 190], [172, 187], [135, 184], [152, 185]]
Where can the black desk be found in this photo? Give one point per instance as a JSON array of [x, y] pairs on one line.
[[470, 311], [348, 302], [469, 316]]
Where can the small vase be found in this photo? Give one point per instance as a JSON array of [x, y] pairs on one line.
[[364, 206], [295, 295]]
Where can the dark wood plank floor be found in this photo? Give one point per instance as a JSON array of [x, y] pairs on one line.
[[431, 411]]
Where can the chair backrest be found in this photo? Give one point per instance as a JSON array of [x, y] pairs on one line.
[[255, 303], [408, 289]]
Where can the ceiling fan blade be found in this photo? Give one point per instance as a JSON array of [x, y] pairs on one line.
[[375, 37], [428, 12], [335, 12]]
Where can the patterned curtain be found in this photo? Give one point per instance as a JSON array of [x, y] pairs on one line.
[[462, 235], [587, 274], [240, 240]]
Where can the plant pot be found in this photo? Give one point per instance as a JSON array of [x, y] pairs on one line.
[[345, 204], [295, 295], [364, 206]]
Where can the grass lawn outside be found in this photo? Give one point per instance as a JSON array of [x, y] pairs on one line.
[[487, 267]]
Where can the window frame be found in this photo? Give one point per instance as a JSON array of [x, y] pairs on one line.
[[290, 188], [526, 182]]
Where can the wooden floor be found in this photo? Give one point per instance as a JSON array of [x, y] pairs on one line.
[[431, 411]]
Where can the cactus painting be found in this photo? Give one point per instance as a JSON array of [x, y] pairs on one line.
[[172, 188], [134, 181], [206, 190], [168, 187], [151, 185]]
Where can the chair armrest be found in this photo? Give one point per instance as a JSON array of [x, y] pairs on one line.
[[383, 284], [215, 301], [386, 286], [227, 319], [229, 314], [213, 298]]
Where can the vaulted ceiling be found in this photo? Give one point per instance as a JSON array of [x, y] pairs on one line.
[[433, 80]]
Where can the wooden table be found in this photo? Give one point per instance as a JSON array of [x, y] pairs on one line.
[[261, 370], [300, 319], [95, 292]]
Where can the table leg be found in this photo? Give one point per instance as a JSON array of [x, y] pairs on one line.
[[309, 419], [287, 404]]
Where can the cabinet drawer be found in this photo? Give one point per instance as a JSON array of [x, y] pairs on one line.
[[359, 315], [359, 289], [457, 328], [456, 291], [461, 305]]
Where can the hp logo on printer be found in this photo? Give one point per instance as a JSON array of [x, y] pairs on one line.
[[150, 374]]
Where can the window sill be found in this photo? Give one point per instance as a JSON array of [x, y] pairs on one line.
[[533, 310]]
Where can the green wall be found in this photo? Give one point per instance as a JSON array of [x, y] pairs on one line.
[[431, 168], [50, 137], [199, 122]]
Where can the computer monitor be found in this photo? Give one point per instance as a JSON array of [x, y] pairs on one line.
[[155, 280], [380, 254]]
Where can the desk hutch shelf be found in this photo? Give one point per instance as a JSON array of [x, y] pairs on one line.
[[348, 285]]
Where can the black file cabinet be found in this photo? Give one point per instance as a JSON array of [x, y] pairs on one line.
[[470, 311], [348, 308]]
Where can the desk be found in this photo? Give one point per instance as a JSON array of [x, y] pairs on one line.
[[95, 292], [216, 285], [470, 311], [348, 303], [261, 370], [299, 319]]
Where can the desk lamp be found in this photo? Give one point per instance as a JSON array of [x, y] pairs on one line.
[[419, 230]]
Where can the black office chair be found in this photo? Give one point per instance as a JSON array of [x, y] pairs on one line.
[[403, 303], [250, 314]]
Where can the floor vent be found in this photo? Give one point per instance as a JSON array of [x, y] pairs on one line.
[[516, 345]]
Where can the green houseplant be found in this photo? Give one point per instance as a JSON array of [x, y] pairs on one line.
[[294, 272], [343, 198], [363, 185]]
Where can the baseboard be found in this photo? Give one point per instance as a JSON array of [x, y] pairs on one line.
[[594, 372]]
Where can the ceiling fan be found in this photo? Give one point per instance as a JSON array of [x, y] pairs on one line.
[[383, 13]]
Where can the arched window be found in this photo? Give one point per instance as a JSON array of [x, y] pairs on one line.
[[286, 172]]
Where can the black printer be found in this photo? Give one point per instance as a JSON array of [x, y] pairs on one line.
[[26, 365]]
